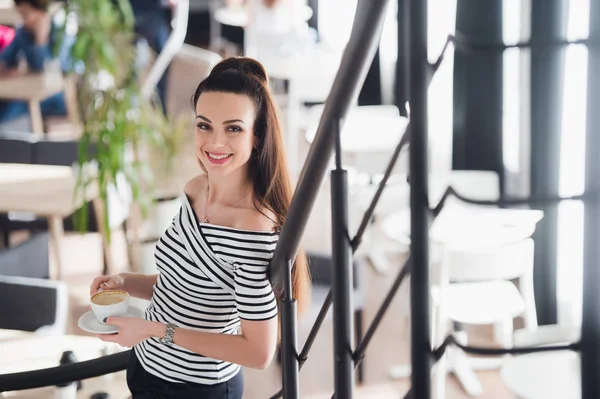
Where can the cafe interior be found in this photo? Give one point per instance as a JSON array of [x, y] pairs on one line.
[[460, 253]]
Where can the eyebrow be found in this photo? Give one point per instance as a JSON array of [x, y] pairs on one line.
[[224, 122]]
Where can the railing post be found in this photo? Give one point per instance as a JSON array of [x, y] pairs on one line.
[[289, 338], [342, 277], [590, 327], [419, 203]]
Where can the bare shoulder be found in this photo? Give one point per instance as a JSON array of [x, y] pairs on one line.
[[254, 220], [195, 186]]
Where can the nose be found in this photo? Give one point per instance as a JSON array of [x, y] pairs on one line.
[[219, 138]]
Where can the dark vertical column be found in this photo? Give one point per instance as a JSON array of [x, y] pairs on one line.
[[342, 277], [477, 143], [590, 329], [289, 338], [419, 204], [548, 22], [402, 65], [370, 94], [313, 22]]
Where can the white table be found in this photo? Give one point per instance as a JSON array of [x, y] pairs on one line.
[[33, 88], [369, 131], [47, 191], [239, 16], [367, 128], [544, 375], [24, 351], [460, 228]]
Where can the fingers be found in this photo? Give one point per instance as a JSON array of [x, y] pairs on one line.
[[95, 286], [102, 282], [114, 321], [108, 337]]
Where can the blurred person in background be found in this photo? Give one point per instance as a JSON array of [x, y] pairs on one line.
[[33, 44], [7, 34]]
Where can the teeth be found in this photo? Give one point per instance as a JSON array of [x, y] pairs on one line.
[[218, 156]]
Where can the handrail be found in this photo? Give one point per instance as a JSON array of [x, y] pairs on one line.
[[65, 373], [357, 57]]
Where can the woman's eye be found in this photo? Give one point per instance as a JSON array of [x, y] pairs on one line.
[[203, 126], [234, 129]]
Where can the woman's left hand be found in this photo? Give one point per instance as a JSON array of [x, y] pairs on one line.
[[132, 330]]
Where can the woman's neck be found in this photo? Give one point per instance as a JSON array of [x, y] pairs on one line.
[[234, 189]]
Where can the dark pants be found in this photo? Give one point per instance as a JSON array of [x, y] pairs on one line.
[[52, 106], [144, 385]]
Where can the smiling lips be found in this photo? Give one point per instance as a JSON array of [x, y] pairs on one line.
[[218, 158]]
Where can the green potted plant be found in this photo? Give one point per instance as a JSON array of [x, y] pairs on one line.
[[118, 121]]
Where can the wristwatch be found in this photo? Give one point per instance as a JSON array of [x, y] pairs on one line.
[[169, 332]]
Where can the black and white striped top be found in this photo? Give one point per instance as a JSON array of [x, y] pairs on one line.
[[209, 278]]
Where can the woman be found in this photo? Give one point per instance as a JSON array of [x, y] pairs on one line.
[[212, 293], [34, 41]]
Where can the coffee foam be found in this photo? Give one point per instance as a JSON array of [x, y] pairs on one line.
[[110, 297]]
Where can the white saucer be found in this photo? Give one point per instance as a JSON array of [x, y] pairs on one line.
[[88, 322]]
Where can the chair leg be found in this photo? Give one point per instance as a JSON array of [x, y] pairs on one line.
[[358, 334], [6, 238], [530, 315], [503, 332], [525, 285]]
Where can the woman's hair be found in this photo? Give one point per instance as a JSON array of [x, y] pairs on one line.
[[267, 168], [37, 4]]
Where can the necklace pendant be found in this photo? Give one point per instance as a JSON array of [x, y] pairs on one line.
[[205, 219]]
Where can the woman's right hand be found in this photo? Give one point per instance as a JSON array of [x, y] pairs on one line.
[[114, 282]]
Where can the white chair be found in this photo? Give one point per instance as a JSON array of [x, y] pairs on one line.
[[173, 45], [195, 64], [473, 288], [478, 267], [479, 293]]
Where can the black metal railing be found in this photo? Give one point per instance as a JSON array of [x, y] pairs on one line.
[[421, 215], [65, 373]]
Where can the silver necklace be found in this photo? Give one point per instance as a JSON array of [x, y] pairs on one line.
[[205, 218]]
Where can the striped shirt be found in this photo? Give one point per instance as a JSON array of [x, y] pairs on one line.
[[209, 278]]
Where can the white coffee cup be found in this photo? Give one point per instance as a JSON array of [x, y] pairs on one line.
[[109, 303]]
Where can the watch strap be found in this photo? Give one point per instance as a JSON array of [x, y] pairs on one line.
[[169, 332]]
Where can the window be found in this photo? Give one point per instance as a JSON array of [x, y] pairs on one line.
[[572, 168]]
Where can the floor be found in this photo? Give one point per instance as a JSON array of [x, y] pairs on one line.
[[389, 346]]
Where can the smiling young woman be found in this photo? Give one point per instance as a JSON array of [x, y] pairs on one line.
[[212, 306]]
